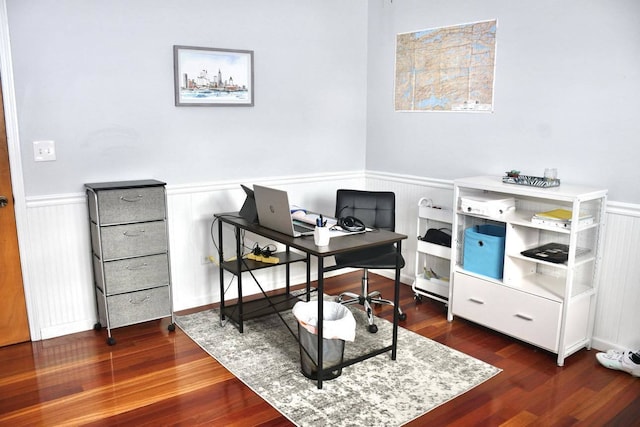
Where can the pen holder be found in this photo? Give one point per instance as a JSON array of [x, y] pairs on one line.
[[321, 236]]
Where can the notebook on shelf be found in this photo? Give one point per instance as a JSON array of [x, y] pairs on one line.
[[560, 218], [556, 253]]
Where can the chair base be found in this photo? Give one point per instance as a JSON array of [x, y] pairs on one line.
[[366, 300]]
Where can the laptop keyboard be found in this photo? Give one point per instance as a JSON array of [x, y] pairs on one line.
[[302, 228]]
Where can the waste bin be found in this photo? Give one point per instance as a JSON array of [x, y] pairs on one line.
[[338, 326]]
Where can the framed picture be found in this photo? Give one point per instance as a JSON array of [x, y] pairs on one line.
[[212, 77]]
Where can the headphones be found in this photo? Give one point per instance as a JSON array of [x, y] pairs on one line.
[[351, 224]]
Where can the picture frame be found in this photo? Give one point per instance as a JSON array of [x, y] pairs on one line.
[[212, 77]]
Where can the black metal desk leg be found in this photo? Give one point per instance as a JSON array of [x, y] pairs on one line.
[[221, 257], [239, 279], [308, 277], [287, 287], [396, 302], [320, 318]]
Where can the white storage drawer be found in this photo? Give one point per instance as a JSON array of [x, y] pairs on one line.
[[132, 274], [508, 310], [123, 205]]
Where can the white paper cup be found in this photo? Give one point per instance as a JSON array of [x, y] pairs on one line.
[[321, 236]]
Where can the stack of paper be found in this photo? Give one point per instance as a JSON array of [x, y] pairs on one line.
[[560, 218], [431, 276]]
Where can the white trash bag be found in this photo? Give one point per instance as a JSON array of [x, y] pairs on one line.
[[339, 322]]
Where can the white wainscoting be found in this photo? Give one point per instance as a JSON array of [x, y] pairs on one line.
[[61, 297], [616, 324], [60, 271]]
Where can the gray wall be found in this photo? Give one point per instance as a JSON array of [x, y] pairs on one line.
[[96, 76], [567, 94]]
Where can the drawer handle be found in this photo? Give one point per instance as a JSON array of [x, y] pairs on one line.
[[477, 301], [524, 317], [142, 301], [133, 233], [137, 267], [127, 199]]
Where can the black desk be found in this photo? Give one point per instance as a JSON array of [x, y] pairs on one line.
[[307, 246]]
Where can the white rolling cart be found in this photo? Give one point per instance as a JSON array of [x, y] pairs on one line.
[[432, 260]]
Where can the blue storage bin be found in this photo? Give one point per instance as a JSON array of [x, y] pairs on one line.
[[483, 251]]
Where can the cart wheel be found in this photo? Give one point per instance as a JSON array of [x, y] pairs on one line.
[[402, 316], [417, 298], [97, 326], [171, 327], [373, 329], [111, 341]]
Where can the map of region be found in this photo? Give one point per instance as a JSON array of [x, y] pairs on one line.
[[446, 69]]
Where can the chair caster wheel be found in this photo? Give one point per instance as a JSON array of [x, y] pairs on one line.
[[97, 326], [111, 341], [402, 316], [171, 327], [373, 329]]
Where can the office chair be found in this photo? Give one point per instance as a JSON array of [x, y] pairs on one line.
[[377, 210]]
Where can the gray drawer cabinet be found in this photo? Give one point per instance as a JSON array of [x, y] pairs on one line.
[[130, 252]]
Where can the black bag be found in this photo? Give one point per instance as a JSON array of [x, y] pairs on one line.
[[439, 236]]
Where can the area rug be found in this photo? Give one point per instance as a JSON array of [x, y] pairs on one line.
[[375, 392]]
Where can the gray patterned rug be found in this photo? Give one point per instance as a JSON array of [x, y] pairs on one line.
[[375, 392]]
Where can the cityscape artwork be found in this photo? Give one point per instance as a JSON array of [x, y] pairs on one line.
[[213, 77]]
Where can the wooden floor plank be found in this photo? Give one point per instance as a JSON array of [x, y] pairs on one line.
[[156, 377]]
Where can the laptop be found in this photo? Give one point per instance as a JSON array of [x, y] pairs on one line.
[[248, 210], [274, 212]]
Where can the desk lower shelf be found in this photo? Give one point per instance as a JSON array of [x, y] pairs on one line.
[[249, 264], [261, 307]]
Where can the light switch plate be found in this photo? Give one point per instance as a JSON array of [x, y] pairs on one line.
[[44, 151]]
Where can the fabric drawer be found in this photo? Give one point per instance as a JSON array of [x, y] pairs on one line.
[[525, 316], [132, 274], [131, 240], [483, 251], [140, 306], [129, 205]]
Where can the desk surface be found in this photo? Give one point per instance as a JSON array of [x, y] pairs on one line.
[[306, 244]]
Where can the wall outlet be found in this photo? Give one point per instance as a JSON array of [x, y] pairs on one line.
[[44, 151]]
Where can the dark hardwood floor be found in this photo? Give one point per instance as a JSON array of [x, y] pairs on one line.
[[155, 377]]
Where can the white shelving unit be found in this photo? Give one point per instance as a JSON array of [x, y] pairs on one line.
[[550, 305], [430, 257]]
